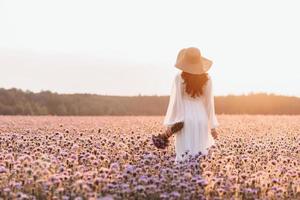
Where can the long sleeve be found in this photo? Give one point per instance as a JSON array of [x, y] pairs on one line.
[[175, 111], [210, 105]]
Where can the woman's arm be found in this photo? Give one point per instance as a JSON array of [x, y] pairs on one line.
[[210, 107], [175, 112], [214, 133]]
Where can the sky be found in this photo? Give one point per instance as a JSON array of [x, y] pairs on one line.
[[130, 47]]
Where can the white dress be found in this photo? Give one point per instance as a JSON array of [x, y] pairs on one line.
[[198, 115]]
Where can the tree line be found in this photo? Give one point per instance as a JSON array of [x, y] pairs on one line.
[[19, 102]]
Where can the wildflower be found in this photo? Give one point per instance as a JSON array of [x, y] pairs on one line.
[[2, 170]]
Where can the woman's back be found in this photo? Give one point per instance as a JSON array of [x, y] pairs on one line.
[[194, 107], [198, 116]]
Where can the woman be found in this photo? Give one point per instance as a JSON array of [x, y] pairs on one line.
[[192, 102]]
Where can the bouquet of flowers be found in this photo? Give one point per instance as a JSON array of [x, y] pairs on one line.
[[161, 141]]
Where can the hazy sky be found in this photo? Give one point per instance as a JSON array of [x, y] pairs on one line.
[[129, 47]]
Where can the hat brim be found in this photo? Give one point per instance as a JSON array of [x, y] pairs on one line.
[[198, 68]]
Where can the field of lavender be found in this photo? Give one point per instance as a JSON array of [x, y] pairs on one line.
[[256, 157]]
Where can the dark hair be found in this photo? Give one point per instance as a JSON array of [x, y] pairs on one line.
[[194, 83]]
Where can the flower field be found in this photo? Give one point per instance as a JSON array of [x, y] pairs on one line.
[[256, 157]]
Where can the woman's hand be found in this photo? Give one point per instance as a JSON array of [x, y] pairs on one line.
[[214, 133], [168, 132]]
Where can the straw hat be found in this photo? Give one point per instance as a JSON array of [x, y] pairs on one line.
[[190, 60]]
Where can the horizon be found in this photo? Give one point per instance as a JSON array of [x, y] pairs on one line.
[[100, 48], [148, 95]]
